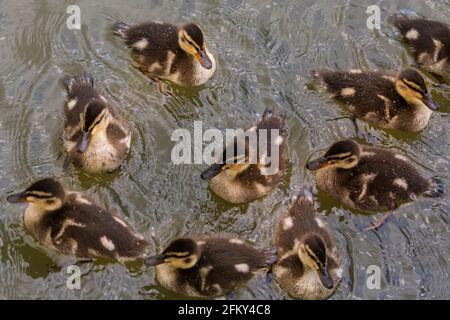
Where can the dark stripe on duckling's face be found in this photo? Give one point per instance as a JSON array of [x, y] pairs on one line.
[[94, 114], [43, 189], [313, 253]]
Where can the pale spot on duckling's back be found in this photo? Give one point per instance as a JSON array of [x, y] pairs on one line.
[[348, 92], [288, 223], [121, 222], [71, 104], [366, 179], [141, 44], [242, 267], [389, 78], [67, 223], [80, 198], [236, 241], [412, 34], [400, 182], [400, 157], [355, 71], [319, 222], [437, 48], [107, 243]]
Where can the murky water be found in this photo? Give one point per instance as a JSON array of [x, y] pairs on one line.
[[264, 51]]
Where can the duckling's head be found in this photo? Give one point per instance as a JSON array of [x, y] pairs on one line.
[[48, 194], [192, 40], [343, 154], [182, 253], [95, 120], [411, 86], [313, 254]]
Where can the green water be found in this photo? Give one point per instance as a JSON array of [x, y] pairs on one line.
[[264, 51]]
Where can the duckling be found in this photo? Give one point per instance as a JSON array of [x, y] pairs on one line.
[[96, 137], [72, 224], [168, 52], [381, 98], [238, 179], [208, 266], [429, 41], [370, 179], [308, 264]]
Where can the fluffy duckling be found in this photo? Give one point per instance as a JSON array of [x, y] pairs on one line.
[[167, 52], [369, 178], [96, 137], [429, 41], [308, 265], [240, 178], [208, 266], [72, 224], [390, 101]]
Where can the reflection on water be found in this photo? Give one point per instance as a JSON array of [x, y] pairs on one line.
[[264, 51]]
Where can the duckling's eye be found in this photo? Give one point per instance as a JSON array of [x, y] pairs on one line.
[[50, 202], [188, 260], [348, 160]]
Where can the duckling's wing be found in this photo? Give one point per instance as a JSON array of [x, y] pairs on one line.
[[367, 94], [80, 91], [152, 37], [300, 220], [232, 262], [99, 233], [384, 179]]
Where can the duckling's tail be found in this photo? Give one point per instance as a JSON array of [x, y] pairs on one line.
[[270, 255], [82, 83], [120, 29], [436, 188]]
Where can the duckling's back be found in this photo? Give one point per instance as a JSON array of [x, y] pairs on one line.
[[83, 229], [224, 265], [429, 41], [80, 91], [151, 38]]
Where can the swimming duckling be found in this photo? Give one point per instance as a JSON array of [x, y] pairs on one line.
[[167, 52], [240, 178], [208, 266], [384, 99], [96, 137], [72, 224], [429, 41], [369, 178], [308, 265]]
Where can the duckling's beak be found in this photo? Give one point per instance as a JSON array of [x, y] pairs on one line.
[[84, 142], [325, 277], [211, 172], [17, 198], [428, 101], [154, 260], [317, 164], [204, 60]]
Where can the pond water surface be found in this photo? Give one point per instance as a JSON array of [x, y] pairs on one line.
[[264, 51]]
